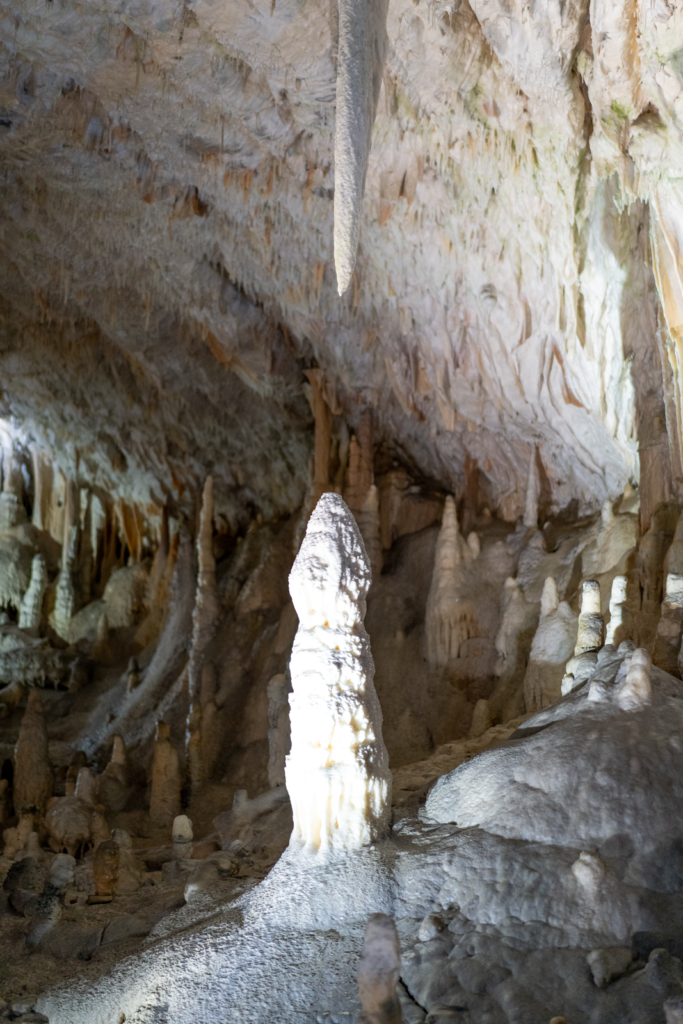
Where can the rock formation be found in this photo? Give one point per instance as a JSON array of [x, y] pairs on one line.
[[337, 772], [182, 837], [591, 626], [360, 57], [552, 646], [164, 804], [112, 784], [33, 780], [31, 610], [450, 615]]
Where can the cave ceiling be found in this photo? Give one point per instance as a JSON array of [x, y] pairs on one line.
[[167, 181]]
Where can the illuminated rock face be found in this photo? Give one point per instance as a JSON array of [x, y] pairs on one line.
[[337, 773]]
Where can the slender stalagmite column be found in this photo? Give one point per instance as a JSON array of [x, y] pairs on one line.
[[204, 624], [32, 769], [205, 614], [337, 773], [591, 632], [449, 618], [31, 609]]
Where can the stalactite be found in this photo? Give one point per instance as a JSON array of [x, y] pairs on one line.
[[362, 43]]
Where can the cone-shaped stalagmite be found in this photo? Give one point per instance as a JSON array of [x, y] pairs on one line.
[[337, 773], [166, 782], [449, 618], [32, 770]]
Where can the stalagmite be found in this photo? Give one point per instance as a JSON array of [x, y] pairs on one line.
[[481, 718], [379, 971], [206, 609], [129, 874], [31, 610], [362, 44], [166, 781], [279, 739], [359, 475], [450, 617], [106, 868], [591, 631], [182, 837], [42, 489], [66, 597], [33, 779], [112, 784], [530, 519], [670, 626], [337, 773], [589, 639], [368, 524], [552, 646], [85, 786], [12, 509], [635, 691], [618, 627]]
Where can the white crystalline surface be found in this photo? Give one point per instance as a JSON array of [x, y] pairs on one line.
[[582, 771], [337, 773]]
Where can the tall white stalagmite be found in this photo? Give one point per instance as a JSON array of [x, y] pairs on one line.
[[591, 631], [362, 45], [31, 608], [450, 617], [618, 626], [337, 773]]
